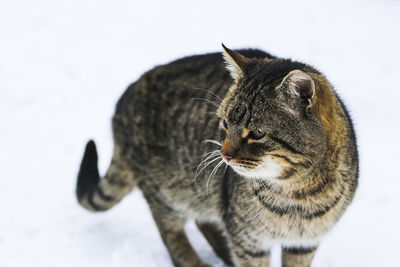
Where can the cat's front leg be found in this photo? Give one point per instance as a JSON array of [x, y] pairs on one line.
[[170, 224], [217, 239], [297, 257], [247, 252]]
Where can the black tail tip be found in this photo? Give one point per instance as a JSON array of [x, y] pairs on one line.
[[90, 150], [88, 176]]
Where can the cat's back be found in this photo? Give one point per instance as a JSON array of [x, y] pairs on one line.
[[179, 80]]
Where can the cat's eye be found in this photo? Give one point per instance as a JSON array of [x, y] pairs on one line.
[[256, 135], [224, 123]]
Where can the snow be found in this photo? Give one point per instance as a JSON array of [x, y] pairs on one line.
[[64, 64]]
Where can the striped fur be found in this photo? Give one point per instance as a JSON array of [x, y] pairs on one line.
[[266, 157]]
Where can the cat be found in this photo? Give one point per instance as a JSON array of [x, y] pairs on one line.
[[258, 150]]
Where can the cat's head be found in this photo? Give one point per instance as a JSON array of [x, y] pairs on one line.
[[268, 127]]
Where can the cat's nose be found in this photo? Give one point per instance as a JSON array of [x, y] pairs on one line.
[[228, 151], [226, 157]]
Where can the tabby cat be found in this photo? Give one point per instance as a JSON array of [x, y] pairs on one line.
[[258, 150]]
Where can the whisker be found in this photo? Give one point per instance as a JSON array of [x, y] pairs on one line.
[[208, 153], [213, 142], [214, 171], [205, 166], [206, 100], [208, 91], [207, 112], [226, 167], [211, 156]]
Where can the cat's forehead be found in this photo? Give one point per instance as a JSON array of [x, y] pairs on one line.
[[270, 72], [253, 111], [255, 101]]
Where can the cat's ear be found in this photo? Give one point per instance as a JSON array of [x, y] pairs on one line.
[[300, 88], [235, 63]]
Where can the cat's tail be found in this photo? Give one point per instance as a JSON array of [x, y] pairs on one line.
[[100, 194]]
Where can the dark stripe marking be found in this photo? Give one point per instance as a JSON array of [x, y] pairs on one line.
[[116, 182], [247, 162], [226, 192], [313, 191], [104, 196], [250, 160], [242, 221], [306, 164], [300, 194], [325, 209], [261, 188], [289, 173], [160, 202], [253, 254], [285, 158], [175, 184], [297, 208], [286, 145], [94, 205], [299, 251]]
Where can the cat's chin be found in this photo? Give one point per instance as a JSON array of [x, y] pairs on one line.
[[268, 169], [263, 174], [241, 172]]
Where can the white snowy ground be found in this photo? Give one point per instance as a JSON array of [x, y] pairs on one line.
[[64, 64]]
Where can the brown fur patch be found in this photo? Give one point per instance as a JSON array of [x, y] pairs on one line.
[[227, 149], [245, 132], [325, 107], [250, 141]]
